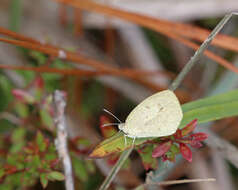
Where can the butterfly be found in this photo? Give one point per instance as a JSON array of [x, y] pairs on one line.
[[157, 116]]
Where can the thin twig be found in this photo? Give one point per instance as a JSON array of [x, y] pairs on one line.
[[199, 52], [115, 169], [174, 182], [61, 141]]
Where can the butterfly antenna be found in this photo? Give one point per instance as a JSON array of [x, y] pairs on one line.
[[109, 124], [112, 115]]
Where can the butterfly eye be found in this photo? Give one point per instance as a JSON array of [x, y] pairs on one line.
[[160, 107]]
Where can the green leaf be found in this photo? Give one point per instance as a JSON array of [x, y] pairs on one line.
[[36, 162], [41, 141], [54, 175], [5, 91], [18, 135], [44, 180], [90, 166], [22, 109], [206, 109], [116, 143], [148, 161], [174, 149], [46, 118], [39, 57], [2, 172], [16, 147], [80, 169]]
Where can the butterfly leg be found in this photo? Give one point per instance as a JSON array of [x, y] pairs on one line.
[[133, 142], [125, 140]]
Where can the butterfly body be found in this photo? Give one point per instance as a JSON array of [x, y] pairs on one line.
[[158, 115]]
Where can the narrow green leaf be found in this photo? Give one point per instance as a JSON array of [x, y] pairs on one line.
[[80, 169], [2, 172], [22, 109], [148, 161], [41, 141], [36, 162], [18, 135], [43, 180], [90, 166], [54, 175], [174, 149], [46, 118]]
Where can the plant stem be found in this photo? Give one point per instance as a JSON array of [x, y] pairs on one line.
[[115, 169], [199, 52], [61, 141]]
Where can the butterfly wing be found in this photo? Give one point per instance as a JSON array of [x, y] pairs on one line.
[[158, 115]]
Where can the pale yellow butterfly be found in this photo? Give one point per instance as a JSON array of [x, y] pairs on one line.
[[157, 116]]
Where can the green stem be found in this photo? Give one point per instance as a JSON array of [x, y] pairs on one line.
[[115, 169], [198, 53]]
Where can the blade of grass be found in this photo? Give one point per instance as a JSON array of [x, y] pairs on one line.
[[199, 52], [115, 169]]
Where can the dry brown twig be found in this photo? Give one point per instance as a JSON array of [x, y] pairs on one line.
[[61, 141], [173, 182]]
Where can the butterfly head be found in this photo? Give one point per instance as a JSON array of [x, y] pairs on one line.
[[121, 126]]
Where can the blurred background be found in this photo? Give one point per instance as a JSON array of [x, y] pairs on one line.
[[145, 61]]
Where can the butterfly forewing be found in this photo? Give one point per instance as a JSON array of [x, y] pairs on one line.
[[158, 115]]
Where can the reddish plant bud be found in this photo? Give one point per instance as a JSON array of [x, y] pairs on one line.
[[39, 82], [184, 140], [189, 127], [199, 136], [54, 162], [186, 152], [178, 134], [161, 149], [196, 144], [106, 130], [112, 160], [23, 96], [164, 158]]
